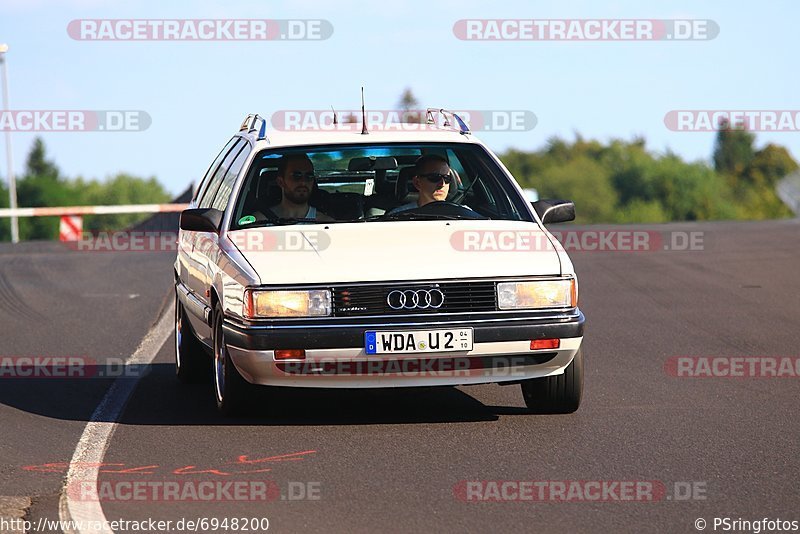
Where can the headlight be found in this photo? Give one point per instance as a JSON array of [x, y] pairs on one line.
[[537, 294], [309, 303]]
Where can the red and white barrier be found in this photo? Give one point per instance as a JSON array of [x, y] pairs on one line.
[[70, 228], [92, 210]]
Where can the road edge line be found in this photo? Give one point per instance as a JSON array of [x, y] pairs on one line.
[[94, 441]]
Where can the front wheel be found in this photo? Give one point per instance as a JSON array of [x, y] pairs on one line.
[[556, 394], [191, 362], [229, 386]]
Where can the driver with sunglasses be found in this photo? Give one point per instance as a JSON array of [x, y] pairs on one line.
[[296, 179], [432, 180]]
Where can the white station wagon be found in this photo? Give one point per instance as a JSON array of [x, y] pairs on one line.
[[354, 259]]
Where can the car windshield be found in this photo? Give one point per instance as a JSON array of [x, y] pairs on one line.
[[375, 184]]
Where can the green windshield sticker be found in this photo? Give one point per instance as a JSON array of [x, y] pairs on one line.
[[247, 219]]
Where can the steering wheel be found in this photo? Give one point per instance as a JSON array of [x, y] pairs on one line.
[[446, 207]]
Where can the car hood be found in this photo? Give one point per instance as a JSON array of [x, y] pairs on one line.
[[409, 250]]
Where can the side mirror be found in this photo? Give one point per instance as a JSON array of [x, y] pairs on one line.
[[554, 211], [201, 220]]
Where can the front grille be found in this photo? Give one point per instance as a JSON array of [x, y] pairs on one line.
[[459, 297]]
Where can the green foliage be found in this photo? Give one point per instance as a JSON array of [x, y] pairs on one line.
[[769, 165], [121, 189], [43, 185], [622, 182], [584, 181]]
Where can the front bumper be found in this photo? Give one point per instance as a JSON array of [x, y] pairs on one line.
[[336, 358]]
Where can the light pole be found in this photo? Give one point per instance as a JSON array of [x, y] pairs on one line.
[[12, 182]]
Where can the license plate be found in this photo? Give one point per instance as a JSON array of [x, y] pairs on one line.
[[403, 342]]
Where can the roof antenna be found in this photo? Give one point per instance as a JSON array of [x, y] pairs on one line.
[[363, 114], [335, 122]]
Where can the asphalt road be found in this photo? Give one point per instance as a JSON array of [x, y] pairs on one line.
[[400, 460]]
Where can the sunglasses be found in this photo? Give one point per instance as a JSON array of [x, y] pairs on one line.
[[435, 177], [307, 176]]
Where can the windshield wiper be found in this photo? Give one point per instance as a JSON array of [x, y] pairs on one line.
[[279, 221], [406, 216]]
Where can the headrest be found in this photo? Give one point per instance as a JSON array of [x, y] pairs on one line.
[[455, 182], [404, 186], [265, 180]]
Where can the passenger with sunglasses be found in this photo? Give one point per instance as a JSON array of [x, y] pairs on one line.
[[296, 179], [432, 179]]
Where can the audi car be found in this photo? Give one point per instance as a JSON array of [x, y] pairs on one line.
[[348, 258]]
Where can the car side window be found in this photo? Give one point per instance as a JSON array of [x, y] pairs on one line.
[[216, 180], [212, 168], [223, 195]]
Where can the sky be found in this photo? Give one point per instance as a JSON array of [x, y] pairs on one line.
[[197, 93]]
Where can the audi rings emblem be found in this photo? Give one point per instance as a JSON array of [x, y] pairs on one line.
[[415, 299]]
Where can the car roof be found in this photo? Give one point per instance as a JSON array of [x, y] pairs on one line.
[[442, 126]]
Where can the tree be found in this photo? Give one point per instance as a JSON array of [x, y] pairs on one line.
[[41, 185], [622, 181], [733, 150], [410, 106], [37, 163], [408, 101]]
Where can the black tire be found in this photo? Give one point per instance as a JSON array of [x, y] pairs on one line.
[[230, 389], [191, 361], [556, 394]]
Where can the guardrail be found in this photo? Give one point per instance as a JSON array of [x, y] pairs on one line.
[[71, 225]]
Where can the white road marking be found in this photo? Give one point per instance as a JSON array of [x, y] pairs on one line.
[[96, 437], [111, 295]]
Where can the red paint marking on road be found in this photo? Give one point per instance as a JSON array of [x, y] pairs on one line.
[[122, 468]]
